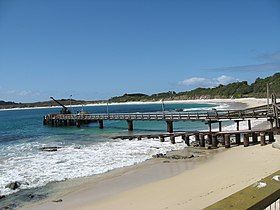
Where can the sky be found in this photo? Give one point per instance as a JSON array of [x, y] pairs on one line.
[[96, 49]]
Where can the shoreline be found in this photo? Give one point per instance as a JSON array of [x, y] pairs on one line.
[[69, 187], [251, 101]]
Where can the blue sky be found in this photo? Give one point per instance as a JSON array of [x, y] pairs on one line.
[[95, 49]]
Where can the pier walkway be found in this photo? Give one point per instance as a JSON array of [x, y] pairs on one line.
[[270, 112]]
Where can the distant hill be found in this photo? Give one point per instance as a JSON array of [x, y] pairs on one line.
[[232, 90], [66, 102]]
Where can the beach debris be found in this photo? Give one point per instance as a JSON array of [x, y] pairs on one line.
[[154, 147], [260, 185], [36, 196], [166, 161], [276, 178], [57, 201], [50, 149], [13, 185], [175, 157], [159, 155]]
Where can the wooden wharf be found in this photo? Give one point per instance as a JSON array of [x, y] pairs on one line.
[[270, 112]]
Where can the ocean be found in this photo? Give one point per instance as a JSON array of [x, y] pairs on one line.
[[84, 151]]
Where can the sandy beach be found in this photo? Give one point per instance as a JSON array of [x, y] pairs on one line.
[[170, 184]]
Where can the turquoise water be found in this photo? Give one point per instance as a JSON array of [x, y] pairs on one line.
[[84, 151]]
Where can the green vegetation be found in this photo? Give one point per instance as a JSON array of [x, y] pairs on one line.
[[233, 90]]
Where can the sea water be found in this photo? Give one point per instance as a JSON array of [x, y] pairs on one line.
[[84, 151]]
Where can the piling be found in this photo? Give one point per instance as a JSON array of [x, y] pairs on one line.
[[262, 139], [270, 136], [161, 138], [172, 139], [201, 140], [130, 125], [187, 140], [100, 122], [214, 141], [227, 140], [220, 126], [237, 138], [246, 140], [169, 124], [255, 138], [249, 125]]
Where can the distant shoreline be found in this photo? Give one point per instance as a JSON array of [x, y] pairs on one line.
[[248, 101]]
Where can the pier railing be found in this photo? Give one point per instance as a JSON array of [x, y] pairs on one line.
[[264, 194], [174, 116]]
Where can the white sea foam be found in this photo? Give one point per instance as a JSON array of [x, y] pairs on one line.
[[32, 167], [218, 107]]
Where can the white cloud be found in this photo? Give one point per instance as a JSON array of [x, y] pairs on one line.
[[206, 82]]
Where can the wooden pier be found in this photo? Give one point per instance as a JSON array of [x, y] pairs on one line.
[[270, 113]]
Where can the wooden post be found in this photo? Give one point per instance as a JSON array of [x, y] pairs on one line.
[[237, 124], [169, 124], [100, 122], [78, 124], [271, 123], [183, 137], [270, 136], [161, 138], [210, 138], [130, 125], [172, 139], [262, 138], [227, 140], [215, 141], [246, 140], [187, 140], [201, 140], [249, 125], [237, 138], [209, 126], [223, 139], [139, 137], [220, 126], [255, 138], [196, 136]]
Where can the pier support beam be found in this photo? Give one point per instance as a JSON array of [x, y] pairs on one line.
[[130, 125], [246, 140], [271, 123], [262, 138], [201, 140], [237, 124], [196, 137], [237, 138], [78, 124], [161, 138], [227, 140], [100, 122], [172, 139], [249, 125], [255, 138], [187, 140], [215, 141], [169, 124], [270, 136], [220, 126]]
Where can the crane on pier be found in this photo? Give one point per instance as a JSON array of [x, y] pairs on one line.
[[64, 109]]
